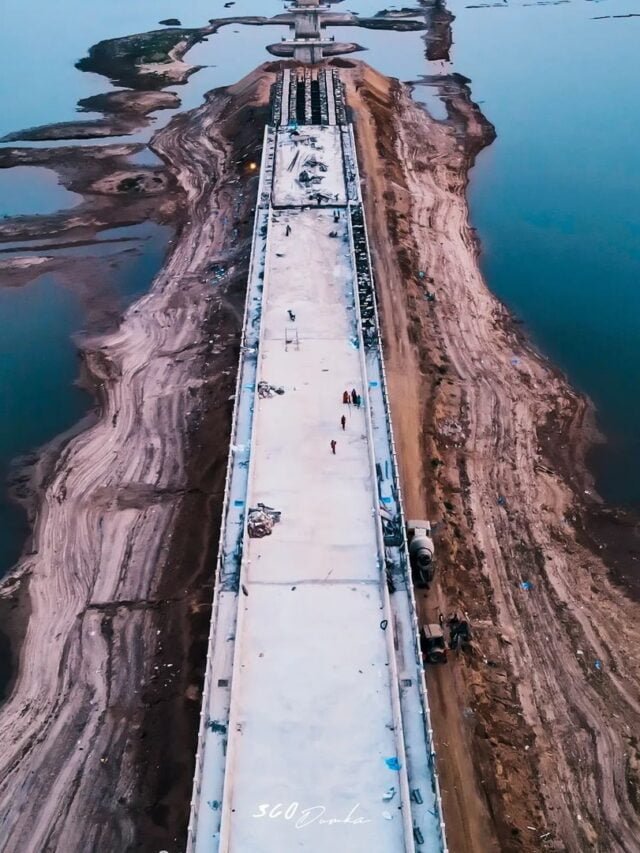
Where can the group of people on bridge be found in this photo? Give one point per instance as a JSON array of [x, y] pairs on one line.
[[348, 399], [353, 398]]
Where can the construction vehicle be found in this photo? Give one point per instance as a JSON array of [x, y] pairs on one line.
[[420, 553], [453, 633], [433, 644], [459, 632]]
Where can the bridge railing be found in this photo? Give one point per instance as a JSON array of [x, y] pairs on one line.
[[220, 560], [399, 735], [428, 727], [225, 824]]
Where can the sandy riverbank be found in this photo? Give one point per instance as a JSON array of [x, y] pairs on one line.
[[99, 732], [536, 732]]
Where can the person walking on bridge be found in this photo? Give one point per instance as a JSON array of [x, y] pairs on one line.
[[346, 399], [333, 447], [343, 422]]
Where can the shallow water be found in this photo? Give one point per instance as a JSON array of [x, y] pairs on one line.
[[41, 41], [38, 390], [32, 189], [38, 364]]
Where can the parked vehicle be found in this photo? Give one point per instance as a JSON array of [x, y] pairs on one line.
[[421, 552]]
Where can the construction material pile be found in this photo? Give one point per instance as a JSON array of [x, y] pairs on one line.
[[261, 521]]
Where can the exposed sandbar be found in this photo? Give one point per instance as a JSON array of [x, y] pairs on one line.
[[115, 192]]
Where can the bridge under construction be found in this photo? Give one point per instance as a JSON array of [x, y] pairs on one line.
[[315, 731]]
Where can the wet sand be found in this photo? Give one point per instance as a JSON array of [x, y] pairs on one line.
[[124, 112]]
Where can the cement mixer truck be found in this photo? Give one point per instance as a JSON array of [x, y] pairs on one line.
[[420, 553]]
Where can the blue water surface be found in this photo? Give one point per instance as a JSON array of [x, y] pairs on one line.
[[556, 199], [39, 363]]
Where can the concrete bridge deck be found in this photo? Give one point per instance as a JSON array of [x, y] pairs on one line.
[[311, 714], [315, 732]]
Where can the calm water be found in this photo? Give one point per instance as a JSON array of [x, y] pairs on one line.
[[32, 189], [38, 364], [38, 34], [38, 357], [555, 198]]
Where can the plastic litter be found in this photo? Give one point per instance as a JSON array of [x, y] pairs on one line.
[[393, 763], [389, 795], [526, 586]]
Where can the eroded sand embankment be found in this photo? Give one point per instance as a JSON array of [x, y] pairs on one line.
[[99, 732], [537, 731]]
